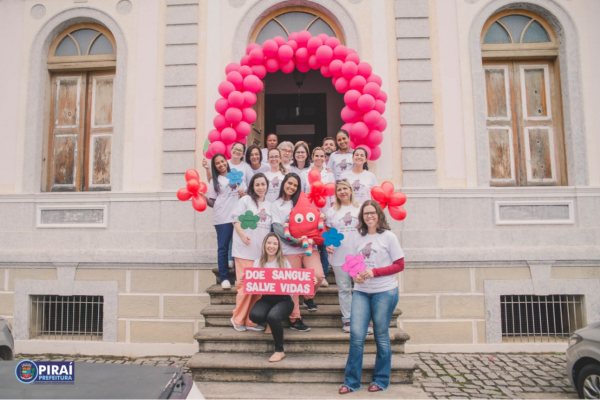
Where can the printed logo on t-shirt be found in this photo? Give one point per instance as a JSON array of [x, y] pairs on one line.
[[342, 165], [233, 186], [232, 192], [262, 215], [275, 182], [356, 185], [348, 218], [367, 250]]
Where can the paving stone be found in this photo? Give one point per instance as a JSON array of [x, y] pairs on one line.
[[507, 392], [452, 372], [460, 379], [500, 382], [470, 376], [527, 381], [433, 385], [492, 375], [446, 379], [453, 390], [470, 390], [569, 389], [557, 383], [532, 389], [553, 390], [488, 391]]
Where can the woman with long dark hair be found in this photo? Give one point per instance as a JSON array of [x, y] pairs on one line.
[[254, 158], [340, 161], [361, 179], [375, 296], [236, 161], [301, 161]]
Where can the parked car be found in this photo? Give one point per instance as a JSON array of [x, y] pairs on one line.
[[7, 343], [583, 361]]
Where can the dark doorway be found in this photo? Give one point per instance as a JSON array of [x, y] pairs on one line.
[[297, 117]]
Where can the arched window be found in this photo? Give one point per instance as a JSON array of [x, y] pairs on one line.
[[295, 19], [82, 62], [524, 111]]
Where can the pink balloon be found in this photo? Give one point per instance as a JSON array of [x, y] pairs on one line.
[[293, 36], [372, 118], [364, 69], [302, 55], [231, 67], [366, 102], [374, 138], [325, 71], [225, 88], [323, 37], [236, 78], [287, 67], [382, 96], [251, 47], [366, 148], [248, 115], [285, 53], [293, 44], [313, 44], [359, 130], [253, 84], [272, 64], [336, 67], [245, 70], [351, 97], [324, 54], [228, 135], [208, 154], [379, 106], [259, 70], [228, 150], [341, 85], [221, 106], [220, 122], [382, 125], [372, 88], [245, 61], [279, 40], [214, 135], [303, 38], [249, 99], [233, 115], [257, 56], [242, 128], [352, 144], [270, 47], [347, 127], [349, 69], [332, 42], [349, 115], [353, 57], [358, 82], [217, 147], [303, 67], [375, 78], [242, 140], [313, 63], [334, 80], [375, 153], [235, 99], [340, 52]]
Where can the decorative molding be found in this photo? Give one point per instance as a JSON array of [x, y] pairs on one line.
[[534, 221], [71, 219]]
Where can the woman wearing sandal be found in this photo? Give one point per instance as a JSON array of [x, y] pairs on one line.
[[272, 309], [375, 296]]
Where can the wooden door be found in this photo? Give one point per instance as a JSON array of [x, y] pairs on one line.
[[524, 123], [257, 133]]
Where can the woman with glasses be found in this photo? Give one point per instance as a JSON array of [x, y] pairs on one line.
[[361, 179], [340, 161], [275, 174], [236, 161], [254, 158], [375, 296], [286, 149], [301, 161]]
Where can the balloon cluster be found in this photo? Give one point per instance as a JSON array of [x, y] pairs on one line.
[[386, 197], [365, 101], [319, 190], [192, 190]]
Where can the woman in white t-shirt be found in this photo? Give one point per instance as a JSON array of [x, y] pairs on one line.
[[375, 296], [223, 197], [272, 309], [292, 249], [340, 161], [301, 161], [361, 179], [275, 174], [254, 159], [343, 216], [236, 161], [286, 148], [247, 241]]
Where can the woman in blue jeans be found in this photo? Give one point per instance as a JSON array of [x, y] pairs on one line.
[[375, 296]]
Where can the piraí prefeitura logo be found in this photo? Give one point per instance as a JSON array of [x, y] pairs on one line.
[[26, 371], [46, 372]]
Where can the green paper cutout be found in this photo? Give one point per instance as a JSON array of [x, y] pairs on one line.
[[249, 220], [206, 144]]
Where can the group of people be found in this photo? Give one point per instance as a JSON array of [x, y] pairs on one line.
[[273, 181]]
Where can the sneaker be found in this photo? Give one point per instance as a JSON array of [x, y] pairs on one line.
[[239, 328], [255, 328], [346, 327], [310, 304], [298, 325], [324, 283], [225, 285], [370, 329]]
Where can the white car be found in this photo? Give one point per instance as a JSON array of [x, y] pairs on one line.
[[583, 361]]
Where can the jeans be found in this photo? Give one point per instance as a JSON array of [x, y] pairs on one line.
[[273, 309], [344, 284], [224, 234], [324, 258], [378, 307]]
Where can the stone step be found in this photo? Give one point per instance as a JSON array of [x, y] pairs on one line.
[[325, 295], [327, 316], [295, 368], [330, 276], [316, 341]]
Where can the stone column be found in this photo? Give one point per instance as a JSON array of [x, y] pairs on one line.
[[413, 50], [181, 58]]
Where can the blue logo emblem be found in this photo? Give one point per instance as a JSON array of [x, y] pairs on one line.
[[47, 372], [26, 371]]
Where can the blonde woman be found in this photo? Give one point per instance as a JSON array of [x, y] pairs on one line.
[[272, 309], [275, 174]]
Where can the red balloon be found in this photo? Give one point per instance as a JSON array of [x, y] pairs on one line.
[[320, 202], [324, 54], [228, 135], [358, 82], [183, 195], [285, 53], [341, 85], [257, 56], [220, 122], [313, 44], [192, 186], [203, 188], [397, 199], [245, 70], [349, 69], [259, 70], [235, 99], [332, 42], [272, 64], [287, 67], [191, 174], [351, 97], [242, 129], [303, 38], [364, 69], [214, 135], [375, 78], [378, 195], [329, 189], [375, 153], [302, 54], [388, 188], [270, 47], [366, 102], [340, 52], [353, 57], [279, 40], [314, 176], [371, 119], [248, 115], [335, 67], [374, 139], [398, 213], [231, 67], [317, 187], [225, 88], [325, 71], [221, 105], [249, 99], [233, 115], [359, 130], [198, 203], [251, 47]]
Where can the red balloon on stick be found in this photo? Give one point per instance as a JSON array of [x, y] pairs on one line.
[[329, 189], [386, 196], [183, 195], [397, 212], [191, 174], [192, 186], [314, 176], [199, 203]]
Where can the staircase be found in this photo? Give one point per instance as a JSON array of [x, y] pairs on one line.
[[317, 356]]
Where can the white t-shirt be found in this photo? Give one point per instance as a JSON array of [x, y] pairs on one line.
[[272, 264], [263, 227], [287, 166], [275, 182], [345, 220], [265, 152], [245, 168], [379, 250], [280, 211], [340, 163], [263, 168], [361, 183], [299, 172], [326, 177], [225, 199]]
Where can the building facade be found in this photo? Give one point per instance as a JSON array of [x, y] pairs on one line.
[[492, 133]]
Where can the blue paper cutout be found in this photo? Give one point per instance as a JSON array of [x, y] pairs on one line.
[[235, 176], [333, 238]]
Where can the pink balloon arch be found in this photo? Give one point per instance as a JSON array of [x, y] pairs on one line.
[[364, 99]]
